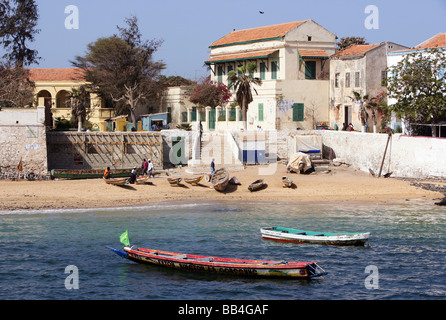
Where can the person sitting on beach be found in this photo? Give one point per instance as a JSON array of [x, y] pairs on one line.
[[132, 178], [107, 174], [350, 127], [150, 169]]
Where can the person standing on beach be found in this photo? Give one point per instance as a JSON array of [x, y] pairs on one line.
[[150, 168], [145, 167], [212, 167], [107, 174]]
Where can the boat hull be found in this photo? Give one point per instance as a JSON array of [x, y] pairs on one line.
[[238, 267], [88, 173], [220, 179], [300, 236], [116, 182], [257, 185], [287, 183], [174, 181], [194, 181]]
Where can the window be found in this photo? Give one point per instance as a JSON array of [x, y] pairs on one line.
[[347, 80], [310, 69], [383, 78], [262, 70], [298, 112], [273, 70], [220, 74], [193, 115], [260, 111], [356, 79], [309, 38], [229, 70], [337, 75]]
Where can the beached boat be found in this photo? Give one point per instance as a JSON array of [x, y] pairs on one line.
[[256, 185], [116, 181], [220, 179], [287, 182], [193, 181], [302, 236], [234, 181], [174, 181], [89, 173], [238, 267], [141, 179]]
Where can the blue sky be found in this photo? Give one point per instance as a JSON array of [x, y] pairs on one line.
[[189, 27]]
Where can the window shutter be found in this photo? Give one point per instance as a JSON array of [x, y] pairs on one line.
[[298, 112], [260, 111]]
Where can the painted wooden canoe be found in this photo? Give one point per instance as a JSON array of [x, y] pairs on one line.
[[302, 236], [256, 185], [220, 179], [238, 267], [141, 179], [116, 181], [287, 182], [174, 181], [194, 181], [89, 173]]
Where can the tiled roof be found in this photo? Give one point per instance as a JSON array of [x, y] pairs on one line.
[[58, 74], [256, 34], [436, 41], [313, 53], [356, 49], [241, 56]]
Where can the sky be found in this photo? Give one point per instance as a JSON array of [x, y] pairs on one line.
[[187, 28]]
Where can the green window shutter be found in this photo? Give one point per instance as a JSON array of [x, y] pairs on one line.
[[310, 69], [169, 114], [262, 70], [220, 74], [273, 70], [260, 111], [298, 112], [194, 114]]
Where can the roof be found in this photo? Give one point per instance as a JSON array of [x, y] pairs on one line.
[[438, 40], [356, 49], [241, 56], [276, 31], [56, 74], [313, 53]]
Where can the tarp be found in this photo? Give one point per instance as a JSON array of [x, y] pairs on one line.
[[299, 162], [307, 143]]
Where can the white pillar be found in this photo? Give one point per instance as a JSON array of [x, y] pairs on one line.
[[206, 118]]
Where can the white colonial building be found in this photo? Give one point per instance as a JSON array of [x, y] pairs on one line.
[[292, 62]]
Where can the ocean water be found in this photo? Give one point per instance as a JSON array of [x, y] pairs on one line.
[[406, 252]]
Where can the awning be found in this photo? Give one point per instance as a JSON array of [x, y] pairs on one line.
[[313, 54], [242, 56]]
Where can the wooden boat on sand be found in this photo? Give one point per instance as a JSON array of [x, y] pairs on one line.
[[287, 182], [174, 181], [116, 181], [89, 173], [220, 179], [238, 267], [193, 181], [141, 179], [256, 185], [234, 181], [302, 236]]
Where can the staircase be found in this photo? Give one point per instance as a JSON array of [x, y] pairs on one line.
[[214, 146]]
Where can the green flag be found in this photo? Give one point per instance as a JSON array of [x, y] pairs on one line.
[[124, 238]]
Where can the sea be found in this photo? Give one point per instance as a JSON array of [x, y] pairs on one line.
[[63, 254]]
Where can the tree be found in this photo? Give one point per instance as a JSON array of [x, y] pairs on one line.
[[210, 94], [364, 103], [122, 67], [79, 102], [346, 42], [418, 84], [242, 81], [17, 27], [16, 90]]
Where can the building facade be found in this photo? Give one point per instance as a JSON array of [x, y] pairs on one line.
[[361, 69], [293, 63]]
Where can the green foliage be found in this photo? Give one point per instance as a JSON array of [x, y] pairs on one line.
[[346, 42], [210, 94], [418, 84]]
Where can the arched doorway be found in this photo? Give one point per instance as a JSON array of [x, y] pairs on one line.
[[45, 97], [61, 99]]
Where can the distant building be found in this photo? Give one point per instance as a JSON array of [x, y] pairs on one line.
[[52, 88], [393, 58], [359, 68], [292, 61]]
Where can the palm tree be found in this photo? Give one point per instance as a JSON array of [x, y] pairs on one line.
[[79, 101], [242, 81]]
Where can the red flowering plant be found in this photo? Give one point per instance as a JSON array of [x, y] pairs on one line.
[[209, 93]]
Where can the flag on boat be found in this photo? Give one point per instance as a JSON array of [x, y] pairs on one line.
[[124, 238]]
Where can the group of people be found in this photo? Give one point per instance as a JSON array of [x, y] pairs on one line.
[[347, 128], [147, 169]]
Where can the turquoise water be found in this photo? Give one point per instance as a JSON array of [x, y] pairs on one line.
[[407, 249]]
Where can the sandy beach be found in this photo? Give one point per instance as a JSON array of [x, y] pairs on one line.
[[341, 185]]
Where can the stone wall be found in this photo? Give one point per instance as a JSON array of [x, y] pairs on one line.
[[22, 137]]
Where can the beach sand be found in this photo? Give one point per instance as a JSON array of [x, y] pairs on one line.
[[342, 185]]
